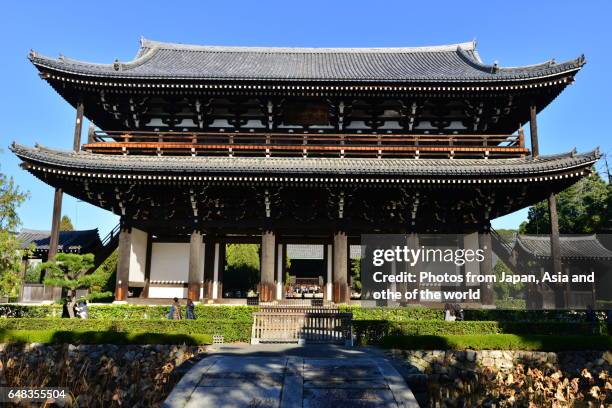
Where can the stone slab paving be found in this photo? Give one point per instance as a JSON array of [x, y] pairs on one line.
[[282, 376]]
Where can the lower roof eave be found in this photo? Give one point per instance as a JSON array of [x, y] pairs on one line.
[[91, 165]]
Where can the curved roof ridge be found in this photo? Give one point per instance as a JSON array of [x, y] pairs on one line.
[[152, 44]]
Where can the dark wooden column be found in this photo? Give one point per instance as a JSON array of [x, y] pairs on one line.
[[147, 274], [486, 267], [329, 272], [209, 266], [267, 287], [78, 127], [555, 250], [220, 270], [55, 223], [340, 263], [196, 261], [413, 243], [123, 264], [533, 131]]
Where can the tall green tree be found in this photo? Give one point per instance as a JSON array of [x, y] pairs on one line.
[[11, 197], [584, 208], [66, 223], [241, 267]]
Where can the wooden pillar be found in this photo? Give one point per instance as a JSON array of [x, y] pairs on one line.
[[78, 126], [147, 274], [486, 267], [209, 267], [266, 285], [555, 250], [55, 224], [123, 264], [413, 243], [196, 260], [340, 254], [91, 133], [220, 268], [533, 130], [280, 261], [329, 265]]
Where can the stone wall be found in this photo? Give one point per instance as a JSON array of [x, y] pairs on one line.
[[453, 370], [450, 361]]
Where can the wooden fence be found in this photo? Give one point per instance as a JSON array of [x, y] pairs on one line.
[[301, 327]]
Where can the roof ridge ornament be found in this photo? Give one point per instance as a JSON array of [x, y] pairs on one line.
[[117, 65]]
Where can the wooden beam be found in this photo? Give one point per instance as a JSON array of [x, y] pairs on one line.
[[55, 224], [533, 130], [78, 127]]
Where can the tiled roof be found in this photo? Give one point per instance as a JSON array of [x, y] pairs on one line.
[[446, 63], [311, 165], [69, 241], [316, 252], [572, 247]]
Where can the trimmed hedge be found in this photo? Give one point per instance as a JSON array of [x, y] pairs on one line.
[[244, 313], [393, 313], [202, 312], [101, 337], [374, 331], [231, 330], [111, 311], [499, 342]]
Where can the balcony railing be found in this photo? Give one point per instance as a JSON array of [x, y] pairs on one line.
[[307, 144]]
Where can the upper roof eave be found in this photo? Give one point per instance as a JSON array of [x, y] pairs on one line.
[[437, 64]]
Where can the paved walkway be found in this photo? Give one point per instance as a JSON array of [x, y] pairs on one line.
[[282, 376]]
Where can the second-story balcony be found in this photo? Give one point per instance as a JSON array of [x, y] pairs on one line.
[[307, 144]]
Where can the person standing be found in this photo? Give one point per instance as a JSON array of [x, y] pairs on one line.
[[175, 310], [449, 313], [190, 310]]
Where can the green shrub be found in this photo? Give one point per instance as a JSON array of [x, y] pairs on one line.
[[374, 331], [498, 342], [231, 330], [393, 313], [239, 313], [101, 337]]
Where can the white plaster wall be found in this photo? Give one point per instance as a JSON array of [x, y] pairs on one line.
[[138, 256], [170, 261]]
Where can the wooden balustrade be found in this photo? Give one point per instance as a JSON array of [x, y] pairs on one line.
[[307, 144]]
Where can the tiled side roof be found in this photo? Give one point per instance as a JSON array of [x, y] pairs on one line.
[[447, 63], [69, 241], [281, 165], [572, 247], [316, 252]]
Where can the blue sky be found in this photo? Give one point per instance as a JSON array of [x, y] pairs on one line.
[[512, 33]]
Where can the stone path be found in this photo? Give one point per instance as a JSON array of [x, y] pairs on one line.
[[281, 376]]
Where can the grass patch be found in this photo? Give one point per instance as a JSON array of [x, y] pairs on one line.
[[498, 342]]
